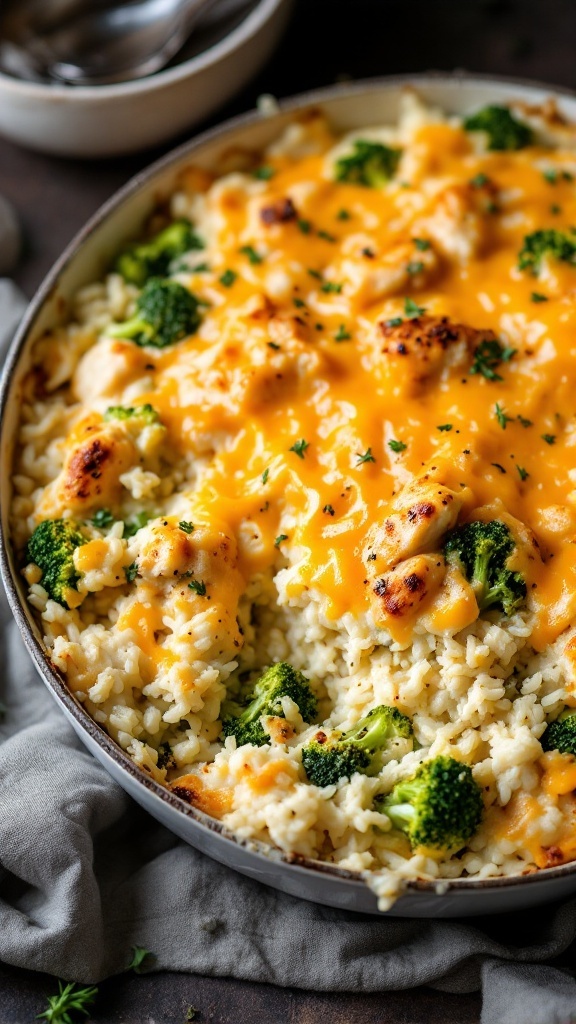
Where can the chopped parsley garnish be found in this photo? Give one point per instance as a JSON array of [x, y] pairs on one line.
[[522, 473], [328, 510], [138, 959], [367, 457], [487, 357], [264, 173], [561, 245], [414, 267], [412, 308], [299, 447], [553, 176], [342, 334], [131, 572], [305, 226], [422, 244], [198, 586], [524, 422], [555, 209], [265, 475], [315, 274], [201, 268], [444, 426], [318, 327], [281, 537], [538, 297], [397, 446], [549, 438], [343, 215], [479, 180], [186, 527], [331, 287], [326, 236], [299, 303], [102, 518], [394, 322], [501, 416], [274, 345], [227, 278], [250, 252]]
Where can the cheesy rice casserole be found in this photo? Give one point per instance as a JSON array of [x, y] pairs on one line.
[[295, 495]]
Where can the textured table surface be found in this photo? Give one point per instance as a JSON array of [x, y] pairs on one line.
[[327, 39]]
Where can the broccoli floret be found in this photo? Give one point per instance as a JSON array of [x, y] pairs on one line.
[[481, 551], [166, 312], [152, 259], [127, 412], [439, 807], [51, 547], [549, 242], [327, 759], [281, 680], [501, 127], [369, 163], [561, 734]]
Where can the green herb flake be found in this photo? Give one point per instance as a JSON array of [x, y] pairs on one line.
[[550, 175], [549, 438], [265, 475], [394, 322], [342, 334], [538, 297], [479, 180], [228, 278], [102, 518], [501, 416], [315, 274], [69, 998], [524, 422], [299, 447], [522, 473], [412, 309], [422, 244], [326, 236], [555, 209], [279, 539], [367, 457], [138, 959], [487, 357], [198, 586], [299, 303], [414, 267], [131, 572], [444, 426], [343, 215], [185, 526], [397, 446], [274, 345], [264, 173], [191, 1014], [305, 226], [253, 256], [331, 287], [318, 327], [201, 268], [328, 510]]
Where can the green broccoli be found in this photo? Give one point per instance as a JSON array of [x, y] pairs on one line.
[[166, 312], [369, 163], [548, 242], [439, 807], [327, 759], [481, 551], [142, 260], [501, 127], [127, 412], [561, 734], [281, 680], [51, 547]]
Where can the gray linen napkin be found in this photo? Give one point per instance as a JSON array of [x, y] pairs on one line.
[[85, 874]]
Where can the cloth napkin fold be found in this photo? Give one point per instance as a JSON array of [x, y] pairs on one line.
[[85, 875]]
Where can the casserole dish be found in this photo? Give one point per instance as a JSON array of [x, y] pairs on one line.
[[121, 220]]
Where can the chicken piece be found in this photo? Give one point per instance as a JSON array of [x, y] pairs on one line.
[[164, 551], [460, 223], [106, 370], [99, 453], [401, 594], [417, 350], [401, 269], [421, 515]]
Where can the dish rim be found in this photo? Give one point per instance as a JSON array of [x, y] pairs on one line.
[[234, 40], [50, 676]]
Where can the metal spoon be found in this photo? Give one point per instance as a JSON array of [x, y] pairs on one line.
[[113, 44]]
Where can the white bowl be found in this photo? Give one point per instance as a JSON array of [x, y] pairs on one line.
[[109, 120], [85, 260]]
